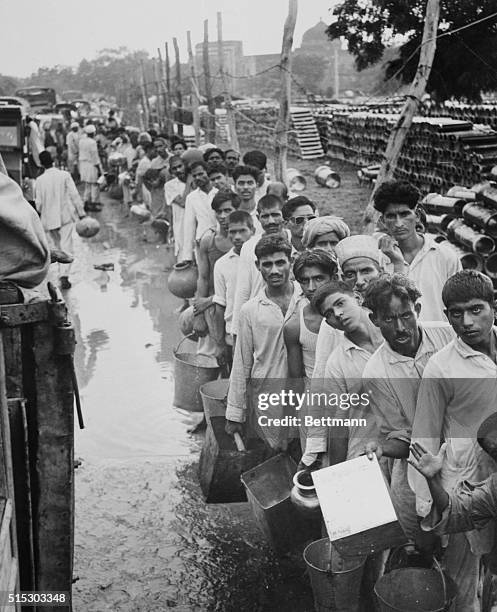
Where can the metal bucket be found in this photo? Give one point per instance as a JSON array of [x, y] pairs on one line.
[[214, 396], [223, 460], [191, 371], [268, 488], [335, 580], [295, 180], [416, 589], [326, 177]]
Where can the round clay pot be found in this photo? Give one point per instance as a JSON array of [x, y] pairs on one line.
[[87, 227], [182, 281]]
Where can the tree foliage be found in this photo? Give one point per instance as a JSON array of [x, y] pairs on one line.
[[465, 63]]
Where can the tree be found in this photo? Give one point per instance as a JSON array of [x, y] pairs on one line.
[[465, 61]]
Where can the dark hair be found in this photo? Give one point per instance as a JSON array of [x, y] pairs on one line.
[[319, 258], [46, 159], [293, 203], [176, 158], [245, 170], [268, 245], [151, 175], [153, 133], [467, 285], [197, 163], [241, 216], [395, 192], [175, 140], [269, 201], [283, 188], [487, 433], [334, 286], [380, 291], [147, 146], [218, 168], [256, 159], [231, 151], [208, 153], [225, 196]]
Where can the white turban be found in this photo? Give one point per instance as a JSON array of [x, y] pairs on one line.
[[358, 246], [90, 129], [322, 225]]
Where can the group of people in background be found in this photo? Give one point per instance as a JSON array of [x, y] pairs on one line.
[[288, 298]]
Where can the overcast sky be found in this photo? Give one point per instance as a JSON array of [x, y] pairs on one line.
[[63, 32]]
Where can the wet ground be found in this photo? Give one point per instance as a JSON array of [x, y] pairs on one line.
[[144, 538]]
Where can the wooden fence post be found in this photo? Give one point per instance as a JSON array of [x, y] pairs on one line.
[[401, 129], [282, 125]]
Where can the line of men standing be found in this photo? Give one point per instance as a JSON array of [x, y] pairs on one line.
[[362, 313]]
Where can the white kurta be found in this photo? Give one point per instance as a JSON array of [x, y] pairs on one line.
[[88, 159], [261, 360], [57, 199]]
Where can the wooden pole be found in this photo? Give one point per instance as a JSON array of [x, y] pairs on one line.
[[195, 92], [158, 104], [166, 81], [179, 97], [336, 73], [211, 106], [401, 129], [145, 95], [281, 141], [233, 138], [162, 89]]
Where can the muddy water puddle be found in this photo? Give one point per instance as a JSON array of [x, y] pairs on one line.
[[144, 538]]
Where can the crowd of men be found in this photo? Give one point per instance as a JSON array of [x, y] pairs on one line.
[[297, 301], [288, 298]]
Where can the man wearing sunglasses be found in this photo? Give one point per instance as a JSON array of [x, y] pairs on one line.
[[296, 212]]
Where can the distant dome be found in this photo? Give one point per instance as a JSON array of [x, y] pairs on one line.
[[315, 35]]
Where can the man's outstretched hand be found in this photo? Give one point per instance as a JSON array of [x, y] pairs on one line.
[[427, 464]]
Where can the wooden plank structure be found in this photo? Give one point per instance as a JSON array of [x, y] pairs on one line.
[[36, 446], [307, 133]]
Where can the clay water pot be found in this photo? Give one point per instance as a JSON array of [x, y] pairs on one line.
[[182, 281], [87, 227], [303, 495]]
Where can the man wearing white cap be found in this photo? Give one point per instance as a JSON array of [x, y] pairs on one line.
[[360, 261], [72, 142], [90, 167]]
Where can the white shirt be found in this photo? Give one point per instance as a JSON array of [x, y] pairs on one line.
[[72, 141], [88, 151], [328, 339], [431, 267], [249, 282], [199, 217], [172, 189], [225, 272], [262, 190], [261, 358], [457, 393], [57, 199]]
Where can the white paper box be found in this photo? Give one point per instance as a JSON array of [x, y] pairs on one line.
[[356, 506]]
